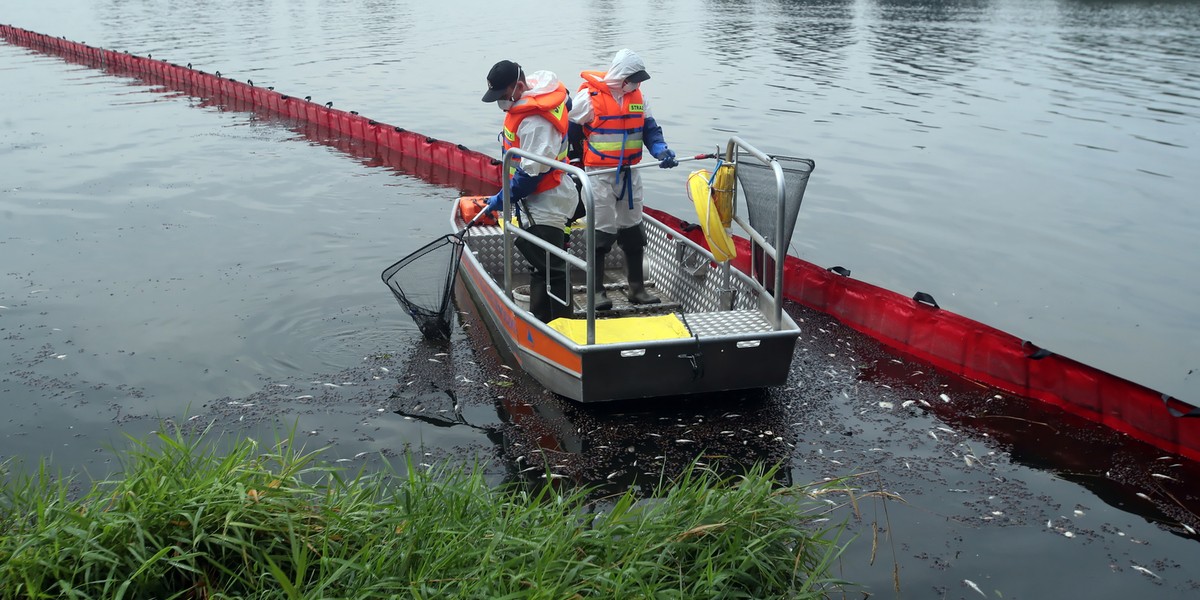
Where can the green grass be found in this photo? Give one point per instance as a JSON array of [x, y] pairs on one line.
[[186, 521]]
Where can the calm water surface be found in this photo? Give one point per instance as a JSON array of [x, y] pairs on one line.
[[1030, 163]]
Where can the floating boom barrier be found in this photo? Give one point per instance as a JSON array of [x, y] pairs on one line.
[[915, 326]]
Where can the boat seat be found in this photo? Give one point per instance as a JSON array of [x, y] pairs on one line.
[[630, 329]]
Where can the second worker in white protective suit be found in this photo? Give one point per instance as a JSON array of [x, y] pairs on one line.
[[612, 124]]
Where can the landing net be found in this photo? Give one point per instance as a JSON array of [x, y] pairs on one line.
[[423, 284], [758, 183]]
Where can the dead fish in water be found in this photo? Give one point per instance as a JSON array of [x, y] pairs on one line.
[[908, 403], [887, 405], [1069, 534], [944, 398], [933, 435], [1161, 476], [971, 584], [1144, 497], [1146, 571]]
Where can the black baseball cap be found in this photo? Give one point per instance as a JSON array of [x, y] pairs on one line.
[[638, 77], [502, 75]]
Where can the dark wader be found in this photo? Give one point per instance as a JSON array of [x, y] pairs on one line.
[[542, 306]]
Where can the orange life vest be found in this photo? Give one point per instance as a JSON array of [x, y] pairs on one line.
[[614, 137], [552, 106]]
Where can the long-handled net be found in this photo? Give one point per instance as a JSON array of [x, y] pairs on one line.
[[423, 284]]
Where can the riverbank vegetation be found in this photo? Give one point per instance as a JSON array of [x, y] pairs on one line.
[[184, 520]]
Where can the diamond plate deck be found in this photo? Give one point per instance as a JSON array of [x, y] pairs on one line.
[[726, 323]]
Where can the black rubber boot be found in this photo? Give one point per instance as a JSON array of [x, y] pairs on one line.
[[604, 243], [541, 304], [633, 243]]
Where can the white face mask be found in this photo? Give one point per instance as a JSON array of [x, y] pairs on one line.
[[629, 87], [504, 104]]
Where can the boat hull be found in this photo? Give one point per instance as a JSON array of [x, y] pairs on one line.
[[629, 370]]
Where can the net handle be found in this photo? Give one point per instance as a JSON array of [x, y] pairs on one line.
[[650, 164]]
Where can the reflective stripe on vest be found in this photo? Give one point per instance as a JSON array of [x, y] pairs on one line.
[[614, 137]]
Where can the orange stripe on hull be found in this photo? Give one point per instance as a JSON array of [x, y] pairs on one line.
[[528, 337]]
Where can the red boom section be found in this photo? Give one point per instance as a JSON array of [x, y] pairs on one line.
[[946, 340], [981, 353], [444, 162]]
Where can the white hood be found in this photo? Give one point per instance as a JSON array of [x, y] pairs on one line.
[[625, 63], [540, 82]]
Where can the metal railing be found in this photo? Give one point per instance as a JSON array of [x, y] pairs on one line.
[[590, 234], [736, 143]]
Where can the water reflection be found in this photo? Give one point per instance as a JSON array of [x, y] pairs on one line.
[[1126, 474], [813, 40], [602, 31], [918, 43]]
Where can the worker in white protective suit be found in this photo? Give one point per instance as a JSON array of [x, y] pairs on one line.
[[536, 108], [611, 124]]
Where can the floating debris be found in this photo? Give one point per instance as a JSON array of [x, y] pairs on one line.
[[971, 584], [1146, 571]]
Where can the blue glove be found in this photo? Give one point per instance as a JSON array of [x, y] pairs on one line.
[[495, 202], [652, 137], [667, 156]]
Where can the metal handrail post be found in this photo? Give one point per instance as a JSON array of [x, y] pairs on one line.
[[589, 233], [735, 143]]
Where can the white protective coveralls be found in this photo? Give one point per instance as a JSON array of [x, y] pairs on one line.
[[538, 136], [613, 213]]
